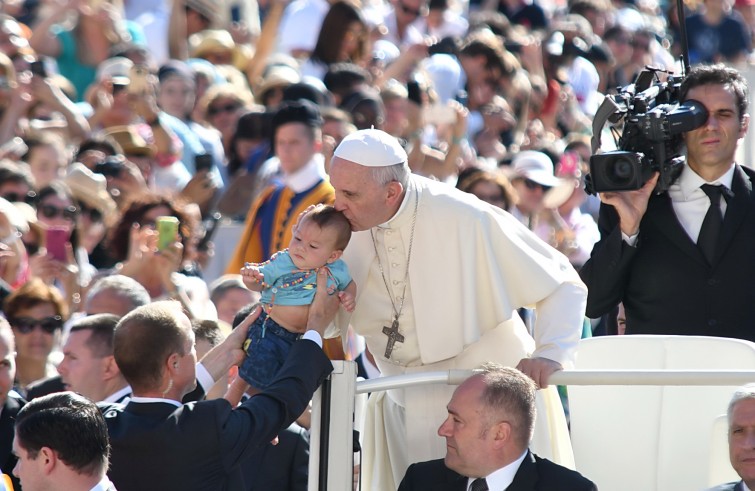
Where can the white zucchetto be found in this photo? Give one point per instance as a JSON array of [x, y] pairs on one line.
[[371, 148]]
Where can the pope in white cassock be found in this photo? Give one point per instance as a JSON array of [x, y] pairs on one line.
[[440, 277]]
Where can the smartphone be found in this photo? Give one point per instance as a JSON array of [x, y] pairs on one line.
[[167, 229], [210, 228], [38, 68], [56, 239], [414, 92], [110, 167], [138, 79], [203, 162]]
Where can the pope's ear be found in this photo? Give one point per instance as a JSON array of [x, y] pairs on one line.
[[394, 191]]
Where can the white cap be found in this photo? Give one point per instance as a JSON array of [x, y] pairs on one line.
[[535, 166], [371, 148], [118, 66]]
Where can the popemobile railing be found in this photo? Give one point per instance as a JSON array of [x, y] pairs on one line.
[[332, 442]]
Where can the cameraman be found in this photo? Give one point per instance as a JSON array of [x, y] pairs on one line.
[[649, 256]]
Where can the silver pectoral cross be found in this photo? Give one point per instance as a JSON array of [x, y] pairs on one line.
[[393, 337]]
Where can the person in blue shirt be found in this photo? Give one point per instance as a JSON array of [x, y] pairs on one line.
[[287, 282]]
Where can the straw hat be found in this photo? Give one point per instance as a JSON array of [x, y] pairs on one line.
[[91, 189]]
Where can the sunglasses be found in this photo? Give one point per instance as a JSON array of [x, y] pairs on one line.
[[50, 212], [409, 11], [25, 325], [95, 215], [29, 198], [228, 108], [532, 185]]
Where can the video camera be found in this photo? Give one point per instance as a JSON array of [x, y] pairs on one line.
[[651, 139]]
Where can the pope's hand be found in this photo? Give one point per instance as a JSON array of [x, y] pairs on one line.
[[539, 369]]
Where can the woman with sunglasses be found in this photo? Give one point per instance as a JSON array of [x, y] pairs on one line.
[[133, 241], [222, 106], [62, 261], [36, 312]]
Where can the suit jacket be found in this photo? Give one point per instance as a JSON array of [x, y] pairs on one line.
[[45, 386], [665, 282], [202, 445], [7, 421], [535, 474], [732, 486], [283, 467]]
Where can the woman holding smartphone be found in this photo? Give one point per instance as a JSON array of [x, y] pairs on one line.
[[135, 239], [61, 260]]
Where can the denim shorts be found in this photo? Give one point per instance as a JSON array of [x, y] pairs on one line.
[[267, 347]]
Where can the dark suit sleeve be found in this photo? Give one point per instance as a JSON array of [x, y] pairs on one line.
[[300, 462], [260, 418], [607, 270], [407, 483]]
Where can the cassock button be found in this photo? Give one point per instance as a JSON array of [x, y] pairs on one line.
[[395, 265], [391, 249], [388, 232], [712, 282], [712, 322], [395, 282]]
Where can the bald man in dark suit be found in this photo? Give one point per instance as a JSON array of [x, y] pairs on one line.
[[490, 422]]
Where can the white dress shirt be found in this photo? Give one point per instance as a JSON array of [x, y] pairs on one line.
[[503, 477], [690, 203], [103, 485], [118, 395]]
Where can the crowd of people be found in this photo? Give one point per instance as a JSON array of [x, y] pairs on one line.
[[406, 179]]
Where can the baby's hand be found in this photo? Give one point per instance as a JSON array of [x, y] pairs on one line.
[[348, 301], [251, 275]]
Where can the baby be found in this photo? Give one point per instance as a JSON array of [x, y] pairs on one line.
[[287, 283]]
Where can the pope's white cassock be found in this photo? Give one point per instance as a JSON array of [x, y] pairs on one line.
[[471, 267]]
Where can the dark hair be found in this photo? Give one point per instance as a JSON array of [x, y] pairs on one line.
[[718, 74], [101, 327], [342, 78], [62, 191], [103, 143], [118, 240], [32, 293], [304, 90], [495, 56], [144, 339], [69, 424], [327, 216], [253, 125], [243, 313], [207, 329], [366, 109], [335, 25], [303, 112], [510, 394]]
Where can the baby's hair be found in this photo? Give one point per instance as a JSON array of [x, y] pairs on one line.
[[327, 216]]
